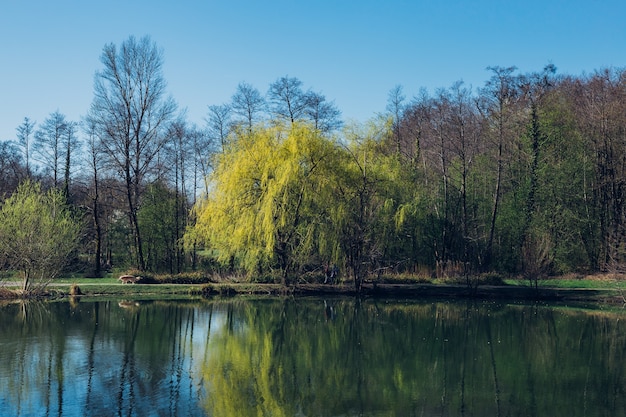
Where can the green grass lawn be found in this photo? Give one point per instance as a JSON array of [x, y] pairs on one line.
[[572, 283], [110, 285], [554, 283]]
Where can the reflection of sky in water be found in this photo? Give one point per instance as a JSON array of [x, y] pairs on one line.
[[98, 371], [289, 356]]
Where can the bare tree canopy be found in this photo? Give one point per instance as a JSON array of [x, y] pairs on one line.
[[54, 145], [25, 131], [324, 115], [247, 104], [287, 100], [218, 123], [131, 111]]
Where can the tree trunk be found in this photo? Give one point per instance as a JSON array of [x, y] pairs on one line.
[[96, 221]]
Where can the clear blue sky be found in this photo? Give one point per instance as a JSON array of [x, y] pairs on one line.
[[353, 52]]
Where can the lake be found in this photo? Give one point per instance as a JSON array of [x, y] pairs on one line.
[[310, 357]]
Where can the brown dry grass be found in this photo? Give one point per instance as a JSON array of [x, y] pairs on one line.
[[603, 277], [8, 294]]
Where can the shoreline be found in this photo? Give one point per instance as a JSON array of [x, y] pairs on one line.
[[485, 292], [370, 290]]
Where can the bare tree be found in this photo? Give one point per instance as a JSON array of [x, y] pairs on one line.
[[25, 133], [72, 146], [499, 105], [287, 100], [464, 126], [395, 106], [218, 123], [414, 127], [94, 162], [181, 150], [204, 147], [11, 168], [600, 108], [248, 104], [48, 144], [324, 115], [131, 112]]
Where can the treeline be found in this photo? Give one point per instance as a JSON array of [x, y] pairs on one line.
[[525, 175]]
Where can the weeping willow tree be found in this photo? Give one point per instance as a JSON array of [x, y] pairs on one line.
[[267, 208]]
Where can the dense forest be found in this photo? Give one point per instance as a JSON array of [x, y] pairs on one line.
[[524, 175]]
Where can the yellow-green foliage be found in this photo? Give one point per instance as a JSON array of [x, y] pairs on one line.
[[267, 195], [282, 198], [37, 234]]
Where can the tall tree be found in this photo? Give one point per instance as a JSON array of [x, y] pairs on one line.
[[219, 123], [465, 133], [363, 199], [442, 161], [48, 145], [94, 162], [25, 133], [71, 145], [499, 105], [131, 111], [395, 107], [324, 115], [181, 150], [535, 249], [600, 109], [287, 100], [248, 104], [12, 168]]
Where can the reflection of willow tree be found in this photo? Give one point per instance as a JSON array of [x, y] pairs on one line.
[[280, 358], [307, 357], [280, 361]]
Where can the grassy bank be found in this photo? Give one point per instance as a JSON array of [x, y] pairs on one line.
[[603, 288]]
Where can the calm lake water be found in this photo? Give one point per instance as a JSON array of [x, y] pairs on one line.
[[310, 357]]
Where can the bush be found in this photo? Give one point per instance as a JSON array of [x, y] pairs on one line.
[[488, 278], [209, 290], [182, 278], [404, 278]]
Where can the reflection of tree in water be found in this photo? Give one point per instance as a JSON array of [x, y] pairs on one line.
[[285, 358], [91, 354], [128, 372], [120, 361]]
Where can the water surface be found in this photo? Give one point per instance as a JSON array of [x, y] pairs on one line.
[[310, 357]]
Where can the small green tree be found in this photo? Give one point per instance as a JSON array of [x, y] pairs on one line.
[[38, 234]]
